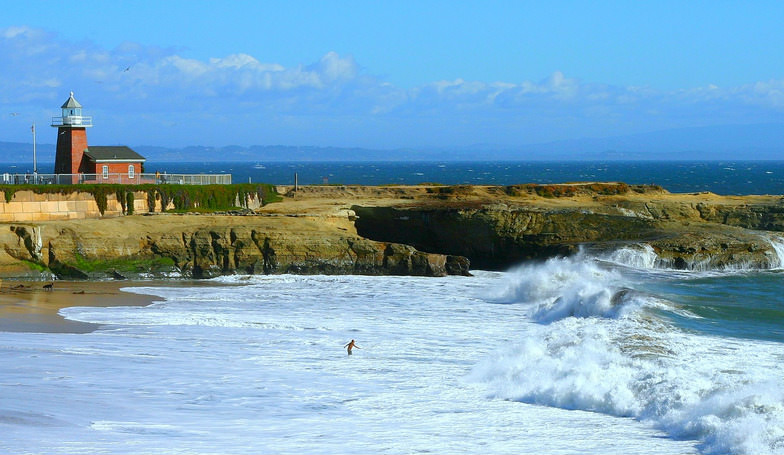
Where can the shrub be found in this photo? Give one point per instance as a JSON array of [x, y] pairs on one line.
[[129, 199], [184, 197]]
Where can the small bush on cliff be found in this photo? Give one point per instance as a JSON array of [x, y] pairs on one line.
[[567, 189], [446, 191], [119, 195], [129, 200], [152, 197], [609, 189], [99, 193]]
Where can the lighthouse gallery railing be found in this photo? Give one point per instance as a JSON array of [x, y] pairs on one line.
[[73, 120]]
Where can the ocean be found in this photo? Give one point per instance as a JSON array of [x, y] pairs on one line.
[[602, 352], [720, 177]]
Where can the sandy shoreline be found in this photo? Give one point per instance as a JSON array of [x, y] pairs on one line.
[[28, 307]]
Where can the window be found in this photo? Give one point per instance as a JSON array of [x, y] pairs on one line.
[[105, 172], [131, 171]]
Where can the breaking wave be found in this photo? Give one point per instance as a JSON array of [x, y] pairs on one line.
[[596, 344]]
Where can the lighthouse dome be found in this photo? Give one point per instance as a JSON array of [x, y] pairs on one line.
[[72, 115], [71, 103]]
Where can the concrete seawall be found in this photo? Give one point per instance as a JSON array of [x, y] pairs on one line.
[[27, 206]]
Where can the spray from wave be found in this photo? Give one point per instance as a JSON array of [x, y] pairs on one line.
[[777, 243], [576, 286], [600, 346], [643, 256]]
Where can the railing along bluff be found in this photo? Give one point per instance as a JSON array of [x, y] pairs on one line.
[[120, 178]]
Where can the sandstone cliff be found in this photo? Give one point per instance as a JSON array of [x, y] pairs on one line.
[[428, 231], [496, 227], [204, 246]]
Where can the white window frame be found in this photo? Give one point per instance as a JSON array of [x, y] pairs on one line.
[[131, 171], [105, 171]]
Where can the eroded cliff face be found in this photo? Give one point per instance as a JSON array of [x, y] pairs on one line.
[[495, 236], [428, 231], [765, 215], [205, 248], [206, 253]]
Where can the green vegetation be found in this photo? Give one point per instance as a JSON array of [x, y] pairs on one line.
[[125, 264], [444, 192], [570, 189], [183, 197], [129, 199], [213, 197], [34, 265]]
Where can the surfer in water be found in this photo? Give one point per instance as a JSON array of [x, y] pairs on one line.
[[350, 345]]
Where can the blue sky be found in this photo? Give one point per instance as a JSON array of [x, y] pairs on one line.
[[388, 74]]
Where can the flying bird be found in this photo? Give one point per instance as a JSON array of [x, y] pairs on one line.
[[127, 68]]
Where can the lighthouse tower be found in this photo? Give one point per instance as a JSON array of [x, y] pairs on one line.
[[71, 138]]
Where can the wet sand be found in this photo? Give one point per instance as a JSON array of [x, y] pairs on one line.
[[28, 307]]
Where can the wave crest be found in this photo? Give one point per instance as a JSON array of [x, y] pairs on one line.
[[574, 286], [594, 349]]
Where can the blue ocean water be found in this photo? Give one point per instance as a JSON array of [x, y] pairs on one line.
[[721, 177], [605, 352], [751, 177]]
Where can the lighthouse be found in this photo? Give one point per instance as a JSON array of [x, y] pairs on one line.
[[78, 163], [71, 138]]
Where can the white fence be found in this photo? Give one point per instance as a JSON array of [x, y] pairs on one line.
[[123, 178]]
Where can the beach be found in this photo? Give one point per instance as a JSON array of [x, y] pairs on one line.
[[615, 348], [27, 307]]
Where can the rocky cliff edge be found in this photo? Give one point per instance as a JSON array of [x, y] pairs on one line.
[[412, 230]]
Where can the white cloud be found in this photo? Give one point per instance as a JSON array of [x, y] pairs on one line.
[[187, 68], [16, 32], [244, 61], [332, 68], [769, 93], [39, 70]]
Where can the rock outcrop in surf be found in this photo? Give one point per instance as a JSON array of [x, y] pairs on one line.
[[695, 231]]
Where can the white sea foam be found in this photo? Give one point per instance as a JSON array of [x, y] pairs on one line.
[[586, 354], [641, 256], [267, 373], [777, 243], [256, 364], [565, 287]]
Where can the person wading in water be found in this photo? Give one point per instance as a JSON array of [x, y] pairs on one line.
[[350, 345]]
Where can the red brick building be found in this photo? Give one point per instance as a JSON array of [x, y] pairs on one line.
[[97, 164], [118, 163]]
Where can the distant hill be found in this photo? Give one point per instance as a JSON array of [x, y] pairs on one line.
[[19, 152], [726, 142], [734, 142], [267, 153]]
